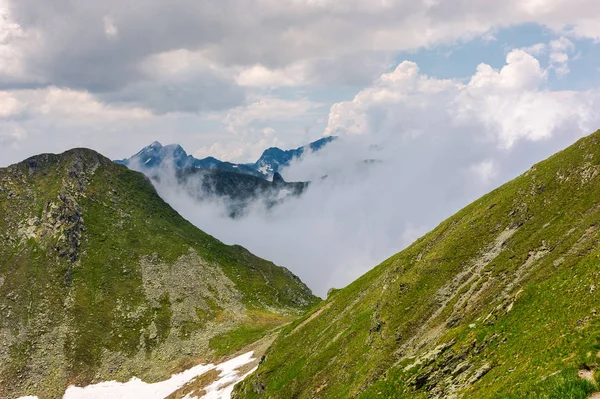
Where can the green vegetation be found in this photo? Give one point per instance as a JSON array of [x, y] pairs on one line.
[[499, 301], [254, 327], [101, 279], [568, 386]]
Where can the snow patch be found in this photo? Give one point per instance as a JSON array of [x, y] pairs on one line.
[[223, 387], [265, 169], [136, 388]]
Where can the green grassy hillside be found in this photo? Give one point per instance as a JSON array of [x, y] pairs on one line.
[[101, 279], [499, 301]]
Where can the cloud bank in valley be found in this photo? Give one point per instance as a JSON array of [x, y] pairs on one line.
[[413, 150]]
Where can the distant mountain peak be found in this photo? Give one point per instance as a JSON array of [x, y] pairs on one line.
[[277, 178], [272, 160], [173, 147]]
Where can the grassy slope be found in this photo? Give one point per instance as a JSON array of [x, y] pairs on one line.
[[506, 290], [69, 298]]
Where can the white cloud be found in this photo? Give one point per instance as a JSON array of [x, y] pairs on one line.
[[510, 103], [536, 49], [9, 29], [485, 170], [79, 107], [260, 76], [269, 108], [267, 42], [561, 44], [11, 57], [9, 105], [55, 119], [362, 114], [245, 150], [560, 63], [249, 129], [559, 57], [175, 62], [110, 28], [522, 71], [76, 107], [352, 69], [436, 144], [11, 135]]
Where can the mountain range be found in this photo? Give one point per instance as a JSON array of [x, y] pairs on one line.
[[100, 279], [174, 156], [238, 185]]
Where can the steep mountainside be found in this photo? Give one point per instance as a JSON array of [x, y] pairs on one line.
[[100, 279], [239, 189], [499, 301]]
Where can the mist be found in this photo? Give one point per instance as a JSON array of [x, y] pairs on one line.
[[412, 151], [361, 212]]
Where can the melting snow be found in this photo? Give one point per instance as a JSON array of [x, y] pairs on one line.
[[136, 388], [222, 388], [265, 169]]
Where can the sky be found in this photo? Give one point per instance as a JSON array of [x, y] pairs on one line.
[[451, 97]]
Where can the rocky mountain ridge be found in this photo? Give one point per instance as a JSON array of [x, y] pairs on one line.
[[174, 156], [100, 279]]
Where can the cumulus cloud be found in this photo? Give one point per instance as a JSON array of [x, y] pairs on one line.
[[101, 46], [559, 57], [10, 106], [11, 135], [240, 150], [54, 119], [357, 69], [268, 108], [558, 54], [510, 103], [251, 128], [414, 149], [260, 76], [179, 81], [12, 43], [110, 28]]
